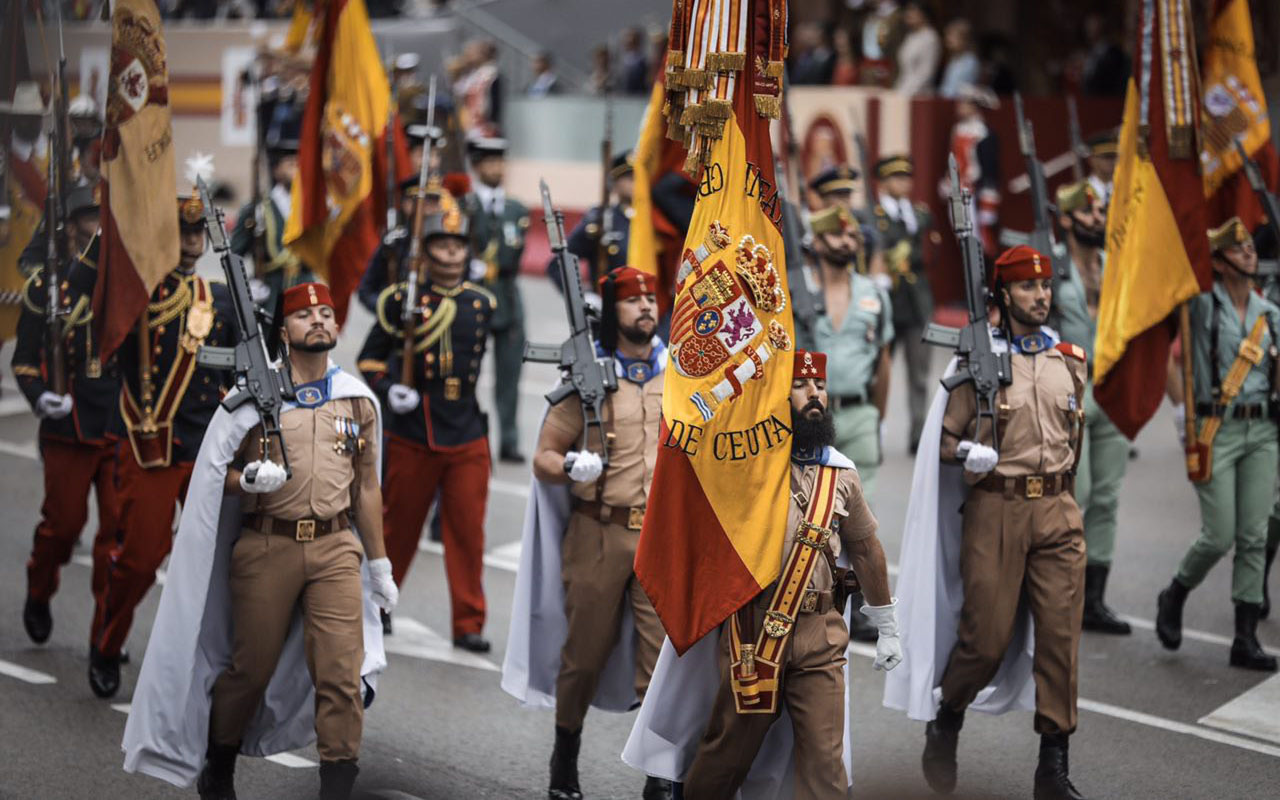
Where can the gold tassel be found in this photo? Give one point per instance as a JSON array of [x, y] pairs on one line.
[[675, 58], [726, 62], [716, 108], [711, 128], [692, 115], [769, 105], [695, 79], [692, 163], [773, 69]]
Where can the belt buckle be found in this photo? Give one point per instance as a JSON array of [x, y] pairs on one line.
[[635, 519], [1035, 487], [809, 604], [306, 531]]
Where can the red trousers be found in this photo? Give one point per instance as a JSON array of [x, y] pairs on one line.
[[71, 469], [144, 537], [413, 475]]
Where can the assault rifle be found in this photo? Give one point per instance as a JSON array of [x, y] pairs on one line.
[[260, 381], [1041, 237], [1078, 148], [806, 304], [585, 374], [58, 252], [1268, 200], [410, 313], [979, 363], [606, 163]]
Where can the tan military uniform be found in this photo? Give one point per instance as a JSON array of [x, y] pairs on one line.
[[599, 549], [274, 567], [812, 672], [1022, 529]]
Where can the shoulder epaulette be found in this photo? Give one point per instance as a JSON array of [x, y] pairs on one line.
[[480, 290], [381, 308], [1073, 350], [34, 283]]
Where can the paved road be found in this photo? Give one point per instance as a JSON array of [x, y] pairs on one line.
[[443, 729]]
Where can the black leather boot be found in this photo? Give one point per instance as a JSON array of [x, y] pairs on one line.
[[1169, 614], [37, 620], [1052, 779], [1266, 576], [1246, 652], [337, 778], [1097, 617], [217, 779], [656, 789], [564, 766], [104, 674], [860, 628], [939, 758]]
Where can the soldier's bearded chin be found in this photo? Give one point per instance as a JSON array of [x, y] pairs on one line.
[[1091, 237], [1028, 317], [640, 333], [809, 433], [316, 345]]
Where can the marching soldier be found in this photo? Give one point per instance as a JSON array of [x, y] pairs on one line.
[[598, 550], [1022, 532], [266, 217], [297, 548], [902, 227], [1105, 452], [812, 653], [585, 238], [392, 254], [166, 401], [498, 226], [436, 436], [1234, 361], [835, 186], [73, 426], [1103, 148]]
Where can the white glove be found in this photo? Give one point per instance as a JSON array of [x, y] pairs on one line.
[[402, 399], [478, 269], [981, 459], [385, 593], [1180, 422], [258, 291], [394, 235], [262, 477], [889, 645], [882, 280], [587, 466], [53, 406]]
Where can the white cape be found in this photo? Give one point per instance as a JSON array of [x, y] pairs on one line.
[[930, 593], [190, 645], [538, 623], [674, 714]]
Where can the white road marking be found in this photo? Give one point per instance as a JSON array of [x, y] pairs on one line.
[[11, 405], [283, 759], [413, 639], [1255, 713], [25, 674], [20, 449], [87, 561]]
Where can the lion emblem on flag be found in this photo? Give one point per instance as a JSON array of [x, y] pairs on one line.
[[138, 75]]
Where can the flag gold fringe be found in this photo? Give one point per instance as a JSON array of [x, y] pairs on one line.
[[769, 105]]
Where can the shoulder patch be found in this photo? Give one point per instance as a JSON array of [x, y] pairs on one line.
[[1073, 350], [483, 292]]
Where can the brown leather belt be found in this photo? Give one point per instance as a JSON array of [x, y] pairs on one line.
[[1028, 486], [302, 530], [630, 518], [813, 602], [1254, 411]]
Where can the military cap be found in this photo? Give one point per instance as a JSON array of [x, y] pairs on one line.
[[899, 164], [835, 219], [1104, 143], [449, 223], [482, 147], [810, 365], [1021, 263], [419, 134], [623, 164], [627, 282], [406, 62], [838, 178], [1074, 196], [305, 295], [408, 185], [1228, 234]]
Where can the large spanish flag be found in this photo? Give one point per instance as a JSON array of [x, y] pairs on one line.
[[715, 522], [1157, 244], [335, 213], [22, 182], [139, 240], [1235, 108]]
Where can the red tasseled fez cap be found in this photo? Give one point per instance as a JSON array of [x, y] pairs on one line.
[[305, 295], [1021, 263], [810, 365], [628, 282]]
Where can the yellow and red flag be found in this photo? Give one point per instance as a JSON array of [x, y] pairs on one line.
[[713, 533], [139, 240], [1157, 245], [334, 220], [1235, 108], [22, 180], [654, 241]]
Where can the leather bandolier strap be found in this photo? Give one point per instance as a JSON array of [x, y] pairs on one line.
[[1200, 455], [755, 671]]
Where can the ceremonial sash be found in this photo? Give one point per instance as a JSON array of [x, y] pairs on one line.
[[755, 674], [151, 429], [1200, 452]]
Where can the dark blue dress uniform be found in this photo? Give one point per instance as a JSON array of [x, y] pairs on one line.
[[157, 451], [443, 443], [584, 242], [377, 275], [75, 450]]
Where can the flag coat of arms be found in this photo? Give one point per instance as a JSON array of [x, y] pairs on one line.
[[139, 187], [335, 213], [714, 526], [1157, 247]]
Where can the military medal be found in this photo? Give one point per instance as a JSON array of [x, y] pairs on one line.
[[452, 389], [199, 323]]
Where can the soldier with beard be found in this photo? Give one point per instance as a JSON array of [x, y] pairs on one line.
[[812, 676], [598, 546], [1105, 452]]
